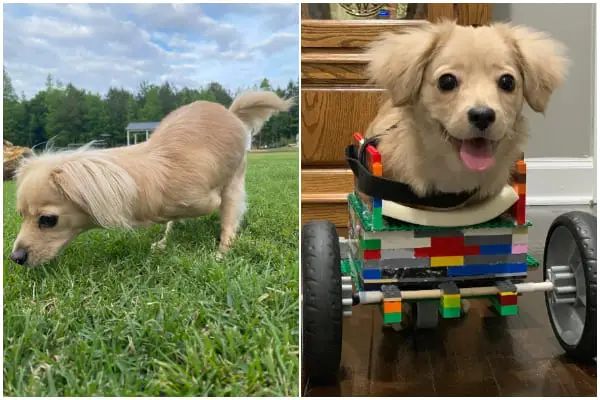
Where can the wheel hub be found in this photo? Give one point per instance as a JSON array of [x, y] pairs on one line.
[[347, 295]]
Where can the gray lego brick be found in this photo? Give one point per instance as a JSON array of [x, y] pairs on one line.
[[449, 288], [487, 240], [506, 286], [495, 259], [397, 254]]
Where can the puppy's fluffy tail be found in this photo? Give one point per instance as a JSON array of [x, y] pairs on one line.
[[255, 108]]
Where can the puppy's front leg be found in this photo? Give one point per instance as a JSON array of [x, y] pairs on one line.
[[162, 243]]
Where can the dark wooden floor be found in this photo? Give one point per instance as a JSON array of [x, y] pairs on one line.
[[478, 355]]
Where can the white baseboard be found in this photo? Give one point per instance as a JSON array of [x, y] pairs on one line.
[[560, 181]]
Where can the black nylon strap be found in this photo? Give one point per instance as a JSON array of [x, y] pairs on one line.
[[386, 189]]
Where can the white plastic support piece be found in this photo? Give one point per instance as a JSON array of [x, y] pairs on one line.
[[346, 288], [346, 302]]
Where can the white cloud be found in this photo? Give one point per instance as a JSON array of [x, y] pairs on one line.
[[96, 46]]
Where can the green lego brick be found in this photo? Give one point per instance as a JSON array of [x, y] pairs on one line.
[[392, 318], [453, 312], [450, 302], [366, 219], [377, 218], [370, 244], [505, 311], [532, 262]]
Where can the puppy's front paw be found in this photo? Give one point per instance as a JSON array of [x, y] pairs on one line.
[[219, 256]]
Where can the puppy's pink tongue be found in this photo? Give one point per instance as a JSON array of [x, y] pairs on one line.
[[477, 154]]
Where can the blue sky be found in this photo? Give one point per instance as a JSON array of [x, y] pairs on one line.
[[95, 46]]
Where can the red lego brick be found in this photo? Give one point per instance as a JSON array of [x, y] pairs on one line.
[[422, 252], [520, 210], [357, 139], [447, 243], [373, 156], [371, 254], [470, 251], [507, 300]]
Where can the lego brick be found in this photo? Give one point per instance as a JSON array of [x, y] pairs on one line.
[[509, 300], [521, 230], [487, 269], [392, 318], [450, 261], [495, 249], [506, 286], [377, 202], [451, 301], [495, 259], [373, 155], [520, 188], [521, 167], [488, 232], [487, 240], [370, 244], [447, 243], [505, 311], [390, 291], [371, 273], [450, 312], [377, 169], [371, 264], [442, 232], [520, 239], [519, 178], [396, 254], [371, 254], [441, 252], [357, 139], [377, 218], [392, 307], [449, 288], [406, 263], [518, 209], [520, 248]]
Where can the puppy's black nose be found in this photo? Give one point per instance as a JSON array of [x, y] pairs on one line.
[[481, 117], [19, 256]]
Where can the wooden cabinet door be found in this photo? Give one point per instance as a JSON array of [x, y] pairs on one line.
[[336, 98]]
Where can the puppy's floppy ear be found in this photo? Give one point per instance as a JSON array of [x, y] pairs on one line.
[[542, 61], [99, 187], [398, 60]]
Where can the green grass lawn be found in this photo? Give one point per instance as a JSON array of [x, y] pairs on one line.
[[108, 317]]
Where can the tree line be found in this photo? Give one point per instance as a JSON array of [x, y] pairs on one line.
[[72, 116]]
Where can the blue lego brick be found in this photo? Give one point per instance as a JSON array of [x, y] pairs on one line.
[[495, 249], [487, 269], [372, 274], [377, 203]]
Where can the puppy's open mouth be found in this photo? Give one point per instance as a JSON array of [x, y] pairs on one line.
[[477, 154]]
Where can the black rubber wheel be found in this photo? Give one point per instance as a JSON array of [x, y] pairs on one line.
[[570, 263], [322, 301]]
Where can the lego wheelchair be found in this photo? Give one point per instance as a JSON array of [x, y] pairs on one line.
[[428, 270]]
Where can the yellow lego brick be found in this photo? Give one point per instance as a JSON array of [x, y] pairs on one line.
[[452, 302], [449, 261], [451, 296], [508, 293]]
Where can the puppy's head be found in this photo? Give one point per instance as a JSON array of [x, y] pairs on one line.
[[61, 196], [468, 85]]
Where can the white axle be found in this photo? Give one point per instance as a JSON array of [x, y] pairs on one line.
[[372, 297]]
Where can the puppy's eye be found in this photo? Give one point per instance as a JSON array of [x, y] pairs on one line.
[[47, 221], [447, 82], [507, 83]]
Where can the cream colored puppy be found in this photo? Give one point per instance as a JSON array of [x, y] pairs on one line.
[[193, 164], [452, 117]]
